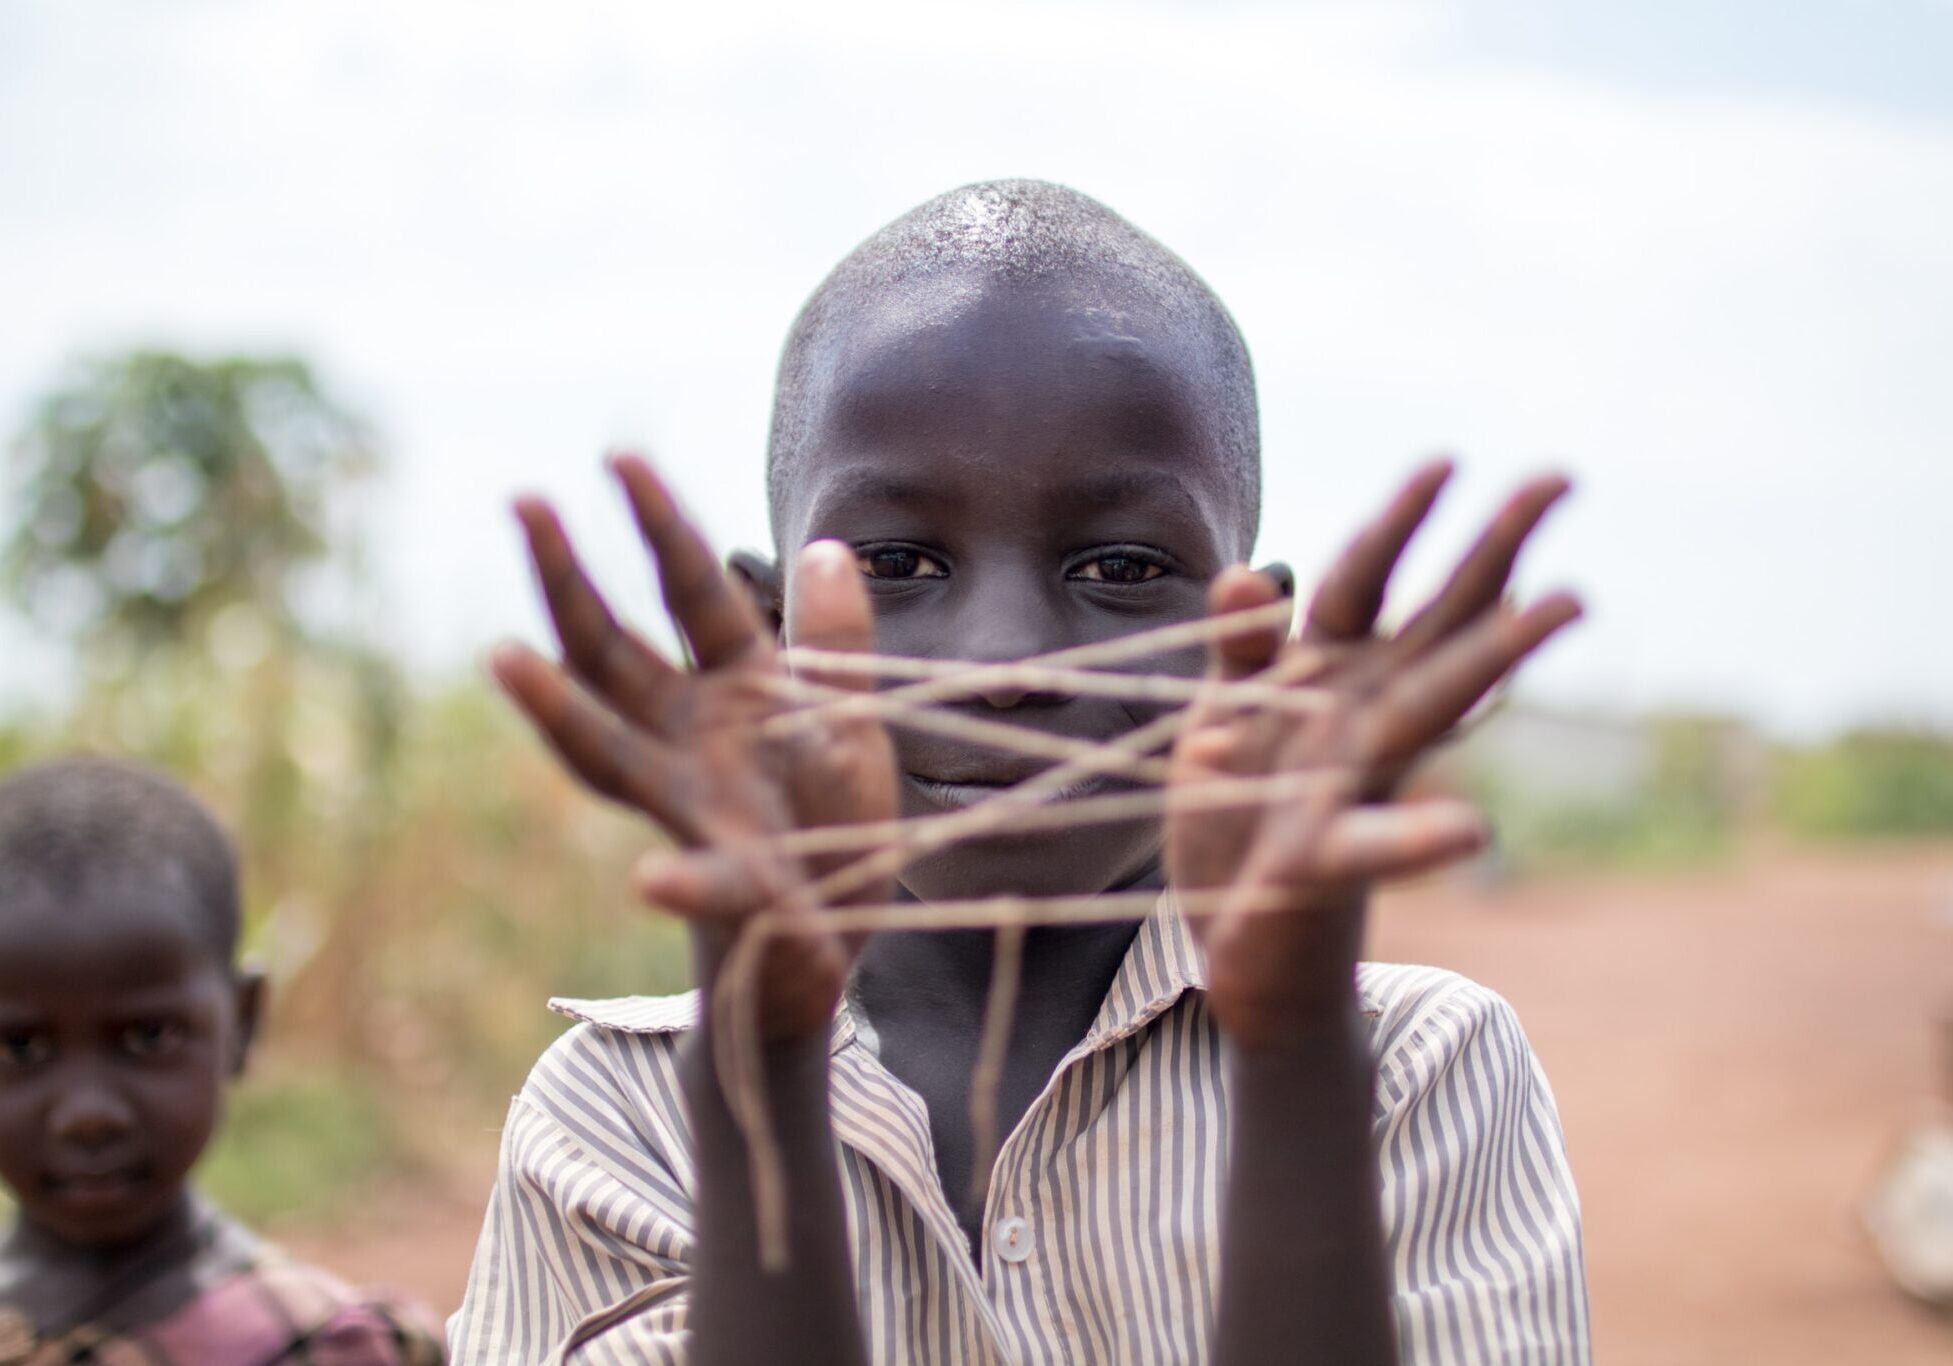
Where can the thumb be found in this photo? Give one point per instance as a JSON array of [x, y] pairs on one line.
[[1236, 656], [828, 609]]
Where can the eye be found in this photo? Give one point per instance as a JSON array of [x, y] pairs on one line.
[[1119, 568], [24, 1047], [149, 1039], [899, 562]]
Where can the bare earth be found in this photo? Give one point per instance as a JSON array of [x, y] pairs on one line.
[[1735, 1055]]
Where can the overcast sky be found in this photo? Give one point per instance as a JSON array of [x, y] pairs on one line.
[[1700, 255]]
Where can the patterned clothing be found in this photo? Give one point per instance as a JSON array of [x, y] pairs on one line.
[[253, 1307], [1100, 1237]]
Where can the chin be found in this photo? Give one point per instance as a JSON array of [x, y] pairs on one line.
[[1081, 862], [105, 1220]]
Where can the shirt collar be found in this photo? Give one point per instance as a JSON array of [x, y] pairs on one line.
[[667, 1015], [1162, 965]]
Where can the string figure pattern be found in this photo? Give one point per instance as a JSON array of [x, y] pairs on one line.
[[1034, 804], [1309, 730]]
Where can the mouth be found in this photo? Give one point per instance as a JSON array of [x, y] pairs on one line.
[[95, 1190], [965, 791]]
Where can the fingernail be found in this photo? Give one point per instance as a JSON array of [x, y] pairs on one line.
[[826, 557], [1567, 606]]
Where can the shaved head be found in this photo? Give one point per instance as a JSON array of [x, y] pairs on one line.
[[1007, 234], [71, 821]]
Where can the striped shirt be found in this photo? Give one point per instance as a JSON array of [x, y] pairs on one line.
[[1100, 1240]]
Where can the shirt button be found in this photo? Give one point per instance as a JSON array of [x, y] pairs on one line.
[[1012, 1238]]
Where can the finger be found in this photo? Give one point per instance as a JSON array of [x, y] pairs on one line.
[[601, 749], [1372, 843], [701, 884], [1236, 655], [827, 609], [1347, 601], [1479, 581], [610, 660], [1427, 698], [716, 618], [1222, 732]]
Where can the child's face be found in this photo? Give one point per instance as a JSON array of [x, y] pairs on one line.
[[1019, 471], [118, 1029]]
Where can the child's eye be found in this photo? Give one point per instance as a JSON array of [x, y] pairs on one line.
[[152, 1039], [899, 562], [1119, 569], [24, 1047]]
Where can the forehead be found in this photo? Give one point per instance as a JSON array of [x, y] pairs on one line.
[[957, 375], [105, 939]]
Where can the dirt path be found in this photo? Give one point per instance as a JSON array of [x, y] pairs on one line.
[[1734, 1056]]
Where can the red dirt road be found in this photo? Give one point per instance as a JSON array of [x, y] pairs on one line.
[[1735, 1055]]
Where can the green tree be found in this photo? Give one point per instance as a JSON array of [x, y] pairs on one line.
[[169, 509], [157, 491]]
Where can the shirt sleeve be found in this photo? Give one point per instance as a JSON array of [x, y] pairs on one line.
[[585, 1252], [1480, 1215]]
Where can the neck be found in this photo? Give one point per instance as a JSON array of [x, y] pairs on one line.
[[1066, 969]]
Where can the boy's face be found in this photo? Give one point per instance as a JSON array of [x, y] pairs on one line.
[[118, 1030], [1020, 469]]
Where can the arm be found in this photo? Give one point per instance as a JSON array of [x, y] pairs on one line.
[[685, 748], [741, 1313], [1304, 1273]]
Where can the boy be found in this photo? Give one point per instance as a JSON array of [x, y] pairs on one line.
[[1010, 423], [121, 1019]]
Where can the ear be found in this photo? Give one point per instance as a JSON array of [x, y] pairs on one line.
[[1283, 576], [249, 984], [764, 584]]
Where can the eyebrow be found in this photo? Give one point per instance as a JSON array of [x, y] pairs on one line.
[[1130, 485], [854, 487], [1100, 493]]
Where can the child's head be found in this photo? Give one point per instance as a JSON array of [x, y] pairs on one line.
[[121, 1016], [1037, 426]]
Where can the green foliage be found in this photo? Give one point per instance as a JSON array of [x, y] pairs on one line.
[[1881, 783], [1684, 811], [159, 491], [1646, 832], [292, 1146]]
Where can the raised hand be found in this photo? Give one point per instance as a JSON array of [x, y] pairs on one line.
[[1387, 698], [683, 746]]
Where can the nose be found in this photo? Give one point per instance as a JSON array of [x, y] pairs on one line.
[[90, 1114], [1006, 619]]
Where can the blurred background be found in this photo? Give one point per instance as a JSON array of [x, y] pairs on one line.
[[293, 299]]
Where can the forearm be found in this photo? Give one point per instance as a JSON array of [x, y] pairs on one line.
[[740, 1313], [1303, 1273]]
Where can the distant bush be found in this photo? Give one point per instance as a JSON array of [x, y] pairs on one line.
[[1683, 810], [295, 1144], [1882, 783], [1644, 833]]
